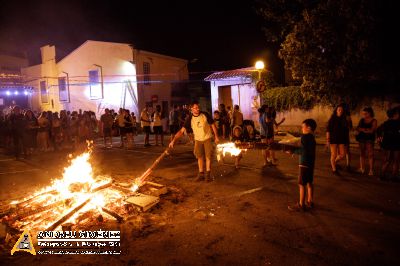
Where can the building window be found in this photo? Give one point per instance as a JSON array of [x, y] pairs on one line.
[[63, 89], [44, 95], [96, 88], [146, 73]]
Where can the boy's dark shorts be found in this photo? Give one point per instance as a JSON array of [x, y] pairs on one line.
[[306, 175], [107, 132], [146, 129], [158, 130]]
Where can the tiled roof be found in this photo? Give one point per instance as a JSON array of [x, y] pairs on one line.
[[236, 73]]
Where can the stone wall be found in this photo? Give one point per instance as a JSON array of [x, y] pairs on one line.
[[321, 114]]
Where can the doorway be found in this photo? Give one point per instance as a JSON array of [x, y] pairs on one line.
[[224, 95]]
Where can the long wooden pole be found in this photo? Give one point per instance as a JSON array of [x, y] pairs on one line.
[[143, 177]]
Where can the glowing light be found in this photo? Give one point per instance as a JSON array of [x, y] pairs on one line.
[[8, 92], [259, 65], [128, 68], [134, 187], [25, 93], [225, 148], [98, 201], [16, 92], [78, 177]]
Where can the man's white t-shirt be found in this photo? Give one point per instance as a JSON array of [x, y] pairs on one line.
[[200, 125], [144, 115]]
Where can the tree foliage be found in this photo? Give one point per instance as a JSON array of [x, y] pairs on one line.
[[286, 98], [266, 76], [331, 46]]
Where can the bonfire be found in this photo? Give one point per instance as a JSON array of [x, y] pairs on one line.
[[78, 198]]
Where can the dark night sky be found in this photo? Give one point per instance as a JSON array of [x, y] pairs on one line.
[[220, 34]]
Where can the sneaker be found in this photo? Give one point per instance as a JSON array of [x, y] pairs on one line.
[[310, 205], [200, 176], [208, 176], [296, 208]]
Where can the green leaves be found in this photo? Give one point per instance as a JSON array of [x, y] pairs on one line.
[[328, 45], [286, 98]]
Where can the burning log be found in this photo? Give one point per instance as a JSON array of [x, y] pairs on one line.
[[40, 209], [76, 209], [113, 214], [109, 184], [68, 215], [235, 149], [23, 203], [262, 146]]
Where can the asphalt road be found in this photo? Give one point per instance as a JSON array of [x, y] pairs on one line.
[[239, 219]]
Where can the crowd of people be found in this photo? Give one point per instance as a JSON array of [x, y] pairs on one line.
[[367, 133], [227, 124], [25, 132]]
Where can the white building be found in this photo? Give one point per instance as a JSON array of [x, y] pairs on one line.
[[235, 87], [99, 75]]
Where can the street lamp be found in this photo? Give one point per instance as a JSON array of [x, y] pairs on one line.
[[260, 86], [260, 67]]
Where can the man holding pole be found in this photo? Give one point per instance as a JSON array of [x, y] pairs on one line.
[[201, 123]]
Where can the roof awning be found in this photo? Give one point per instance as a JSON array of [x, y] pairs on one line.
[[236, 73]]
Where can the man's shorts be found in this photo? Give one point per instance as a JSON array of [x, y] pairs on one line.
[[173, 129], [107, 132], [146, 129], [306, 175], [203, 148], [158, 130]]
